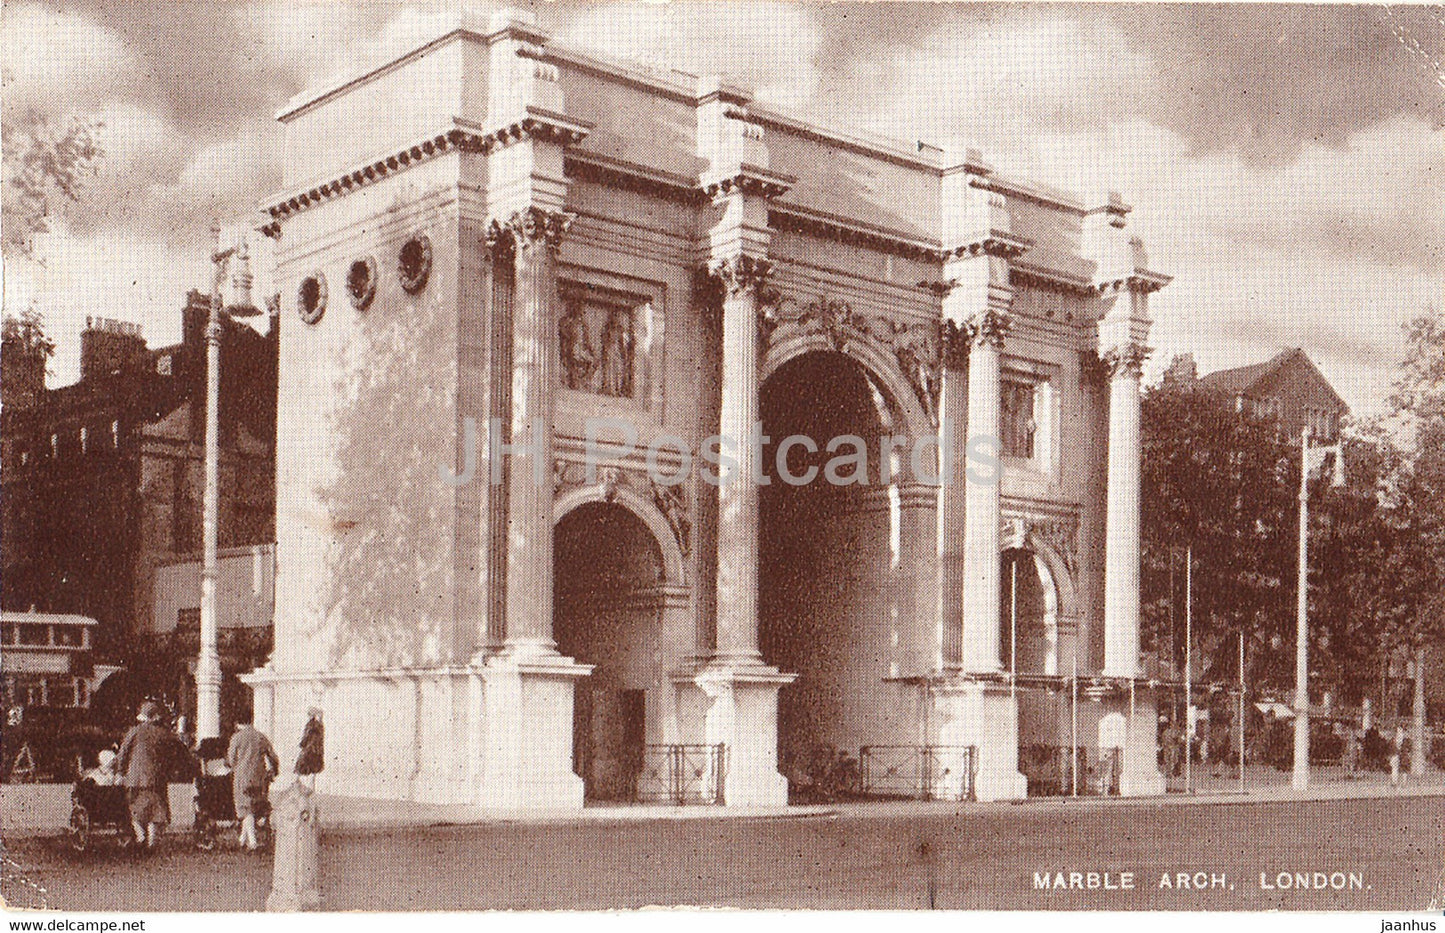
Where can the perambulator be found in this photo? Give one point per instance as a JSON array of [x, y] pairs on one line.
[[98, 808], [215, 803]]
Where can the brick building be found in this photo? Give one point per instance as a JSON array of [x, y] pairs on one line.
[[102, 478], [1287, 389]]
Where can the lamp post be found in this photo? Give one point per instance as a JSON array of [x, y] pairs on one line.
[[208, 663], [1300, 776]]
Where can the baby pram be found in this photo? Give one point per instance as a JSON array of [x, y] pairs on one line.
[[98, 808], [215, 804]]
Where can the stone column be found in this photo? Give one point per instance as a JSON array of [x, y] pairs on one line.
[[920, 637], [537, 234], [953, 429], [981, 542], [1121, 549], [742, 278]]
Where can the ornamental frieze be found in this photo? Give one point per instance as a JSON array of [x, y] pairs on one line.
[[670, 501], [1058, 532]]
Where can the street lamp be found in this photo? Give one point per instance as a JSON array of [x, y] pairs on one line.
[[208, 664]]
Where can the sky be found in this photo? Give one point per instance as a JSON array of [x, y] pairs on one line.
[[1286, 163]]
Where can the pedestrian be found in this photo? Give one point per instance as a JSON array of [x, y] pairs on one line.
[[1352, 750], [253, 763], [145, 760], [313, 746], [1399, 747]]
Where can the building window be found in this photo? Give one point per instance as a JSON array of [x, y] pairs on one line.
[[597, 340], [1018, 423], [115, 433], [33, 635], [163, 364], [84, 440]]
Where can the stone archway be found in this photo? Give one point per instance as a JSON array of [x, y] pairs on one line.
[[609, 584]]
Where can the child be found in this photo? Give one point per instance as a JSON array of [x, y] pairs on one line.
[[103, 774]]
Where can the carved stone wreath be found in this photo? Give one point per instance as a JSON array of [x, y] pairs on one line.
[[414, 263], [311, 298], [361, 282]]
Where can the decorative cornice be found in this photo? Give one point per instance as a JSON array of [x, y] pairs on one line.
[[454, 140], [997, 243], [538, 125], [533, 226], [1035, 277], [1127, 360], [788, 219], [1142, 281], [749, 181], [589, 166]]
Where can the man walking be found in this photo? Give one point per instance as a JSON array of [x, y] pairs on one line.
[[253, 762]]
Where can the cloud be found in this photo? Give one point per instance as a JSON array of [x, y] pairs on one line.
[[774, 46], [57, 61]]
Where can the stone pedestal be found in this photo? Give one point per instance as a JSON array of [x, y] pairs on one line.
[[1134, 728], [527, 732], [983, 715], [743, 715], [296, 826]]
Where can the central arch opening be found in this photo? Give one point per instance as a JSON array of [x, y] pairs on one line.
[[607, 612], [825, 562]]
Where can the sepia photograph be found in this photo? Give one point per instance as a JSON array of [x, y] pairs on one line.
[[773, 456]]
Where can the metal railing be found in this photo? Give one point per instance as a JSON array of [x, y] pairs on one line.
[[1052, 771], [919, 772], [683, 774]]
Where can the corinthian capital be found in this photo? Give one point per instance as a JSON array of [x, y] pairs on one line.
[[1126, 360], [989, 327], [741, 273], [537, 227]]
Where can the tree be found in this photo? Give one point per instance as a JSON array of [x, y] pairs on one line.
[[1414, 504], [42, 163], [1218, 481]]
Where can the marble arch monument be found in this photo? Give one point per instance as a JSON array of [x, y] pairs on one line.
[[492, 239]]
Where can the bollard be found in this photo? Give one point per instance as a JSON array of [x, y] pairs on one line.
[[295, 826]]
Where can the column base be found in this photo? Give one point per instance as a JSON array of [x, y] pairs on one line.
[[1139, 774], [742, 714], [527, 732], [984, 715]]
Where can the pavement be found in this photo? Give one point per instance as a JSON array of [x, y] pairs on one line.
[[1261, 784]]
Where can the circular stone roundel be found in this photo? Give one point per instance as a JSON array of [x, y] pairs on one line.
[[361, 282], [311, 298], [414, 263]]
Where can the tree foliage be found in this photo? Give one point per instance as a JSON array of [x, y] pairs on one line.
[[45, 166]]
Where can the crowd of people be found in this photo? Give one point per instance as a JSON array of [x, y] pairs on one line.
[[151, 754]]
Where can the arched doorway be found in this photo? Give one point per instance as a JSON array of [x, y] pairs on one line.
[[607, 612], [825, 560], [1029, 648]]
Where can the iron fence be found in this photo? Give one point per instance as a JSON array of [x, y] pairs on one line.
[[1059, 771], [919, 772], [683, 774]]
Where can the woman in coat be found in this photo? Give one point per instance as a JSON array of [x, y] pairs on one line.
[[313, 746], [145, 760], [253, 762]]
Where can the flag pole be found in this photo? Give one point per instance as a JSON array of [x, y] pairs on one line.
[[1300, 778], [1240, 750], [1189, 669], [1074, 722], [1013, 630]]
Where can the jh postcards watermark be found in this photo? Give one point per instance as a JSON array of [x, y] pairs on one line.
[[721, 460]]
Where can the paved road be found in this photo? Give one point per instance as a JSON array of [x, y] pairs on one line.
[[883, 858]]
